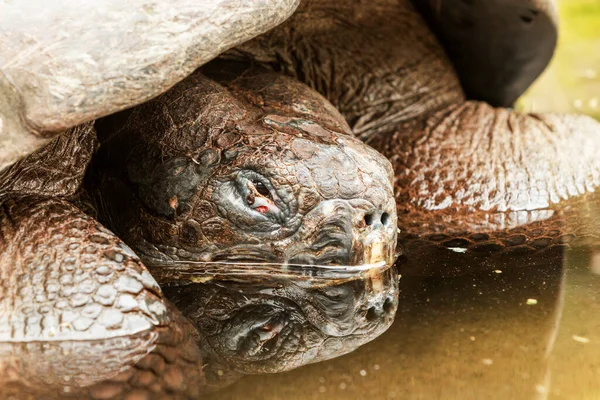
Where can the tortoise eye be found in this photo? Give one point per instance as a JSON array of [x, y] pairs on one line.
[[262, 189]]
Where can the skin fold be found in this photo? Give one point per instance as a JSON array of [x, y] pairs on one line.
[[271, 175]]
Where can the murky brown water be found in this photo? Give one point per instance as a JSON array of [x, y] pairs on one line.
[[529, 332]]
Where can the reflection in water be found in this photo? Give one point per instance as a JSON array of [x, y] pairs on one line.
[[240, 324], [250, 326], [519, 327], [523, 326], [488, 334]]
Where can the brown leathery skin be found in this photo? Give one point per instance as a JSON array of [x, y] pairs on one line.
[[67, 278], [93, 285], [77, 307], [223, 123], [475, 158], [81, 317], [509, 183], [158, 364], [56, 169], [175, 178]]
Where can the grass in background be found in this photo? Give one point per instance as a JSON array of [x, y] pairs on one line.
[[572, 81]]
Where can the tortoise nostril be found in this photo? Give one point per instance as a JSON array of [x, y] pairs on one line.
[[369, 219], [388, 305], [385, 218], [372, 314]]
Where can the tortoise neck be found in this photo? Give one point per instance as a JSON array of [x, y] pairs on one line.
[[376, 77]]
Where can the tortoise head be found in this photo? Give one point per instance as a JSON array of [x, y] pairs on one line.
[[246, 166]]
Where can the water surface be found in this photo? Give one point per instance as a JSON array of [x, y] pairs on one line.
[[526, 332]]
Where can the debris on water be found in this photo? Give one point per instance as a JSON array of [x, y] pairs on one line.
[[589, 73], [531, 302], [541, 389], [487, 361], [580, 339], [498, 271], [458, 249]]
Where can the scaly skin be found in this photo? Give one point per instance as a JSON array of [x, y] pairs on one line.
[[77, 307], [82, 317], [177, 178]]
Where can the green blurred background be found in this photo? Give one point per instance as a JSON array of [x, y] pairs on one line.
[[572, 81]]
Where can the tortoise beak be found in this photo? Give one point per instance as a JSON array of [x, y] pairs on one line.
[[376, 241]]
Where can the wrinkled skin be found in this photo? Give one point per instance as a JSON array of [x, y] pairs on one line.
[[210, 172], [181, 181]]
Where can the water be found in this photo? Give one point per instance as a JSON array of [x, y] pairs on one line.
[[528, 332], [519, 328], [260, 319]]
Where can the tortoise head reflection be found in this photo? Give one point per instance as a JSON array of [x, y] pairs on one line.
[[271, 324]]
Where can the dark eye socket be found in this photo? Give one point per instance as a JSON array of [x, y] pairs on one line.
[[262, 189]]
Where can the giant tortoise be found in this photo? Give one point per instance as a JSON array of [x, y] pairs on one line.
[[255, 158]]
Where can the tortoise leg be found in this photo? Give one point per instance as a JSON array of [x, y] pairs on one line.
[[492, 180], [80, 314], [498, 47]]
